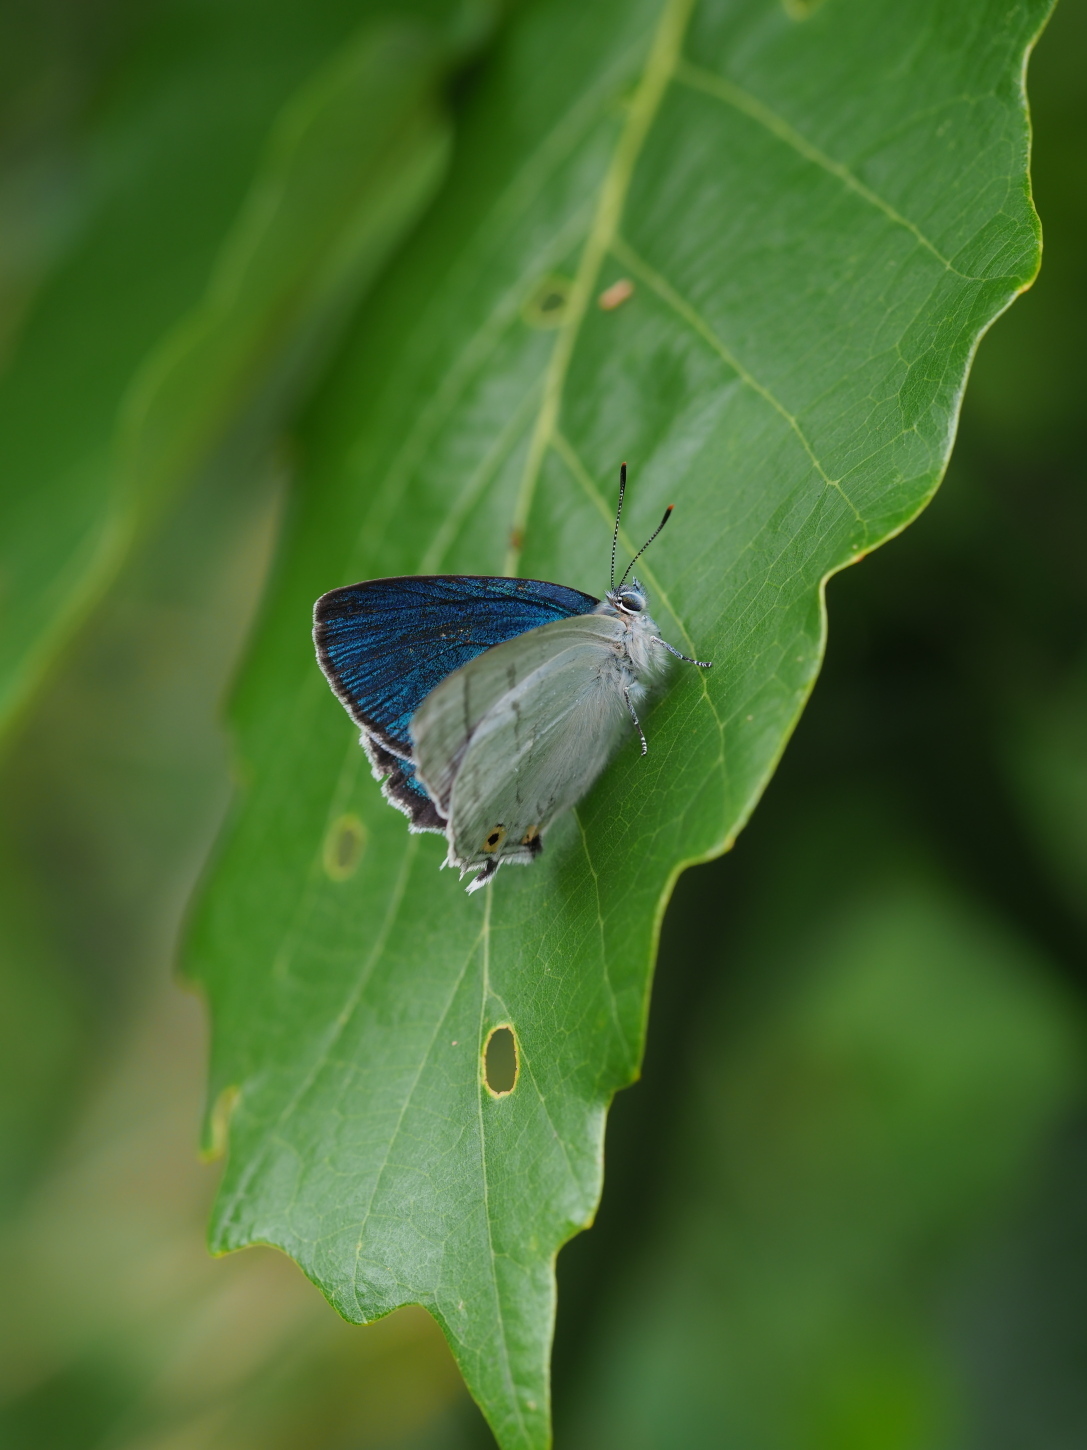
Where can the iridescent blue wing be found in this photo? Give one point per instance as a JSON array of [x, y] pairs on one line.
[[386, 643]]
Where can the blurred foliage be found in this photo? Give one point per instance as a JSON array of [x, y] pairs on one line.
[[239, 177], [846, 1206]]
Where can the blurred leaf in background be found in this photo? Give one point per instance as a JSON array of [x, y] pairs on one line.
[[243, 172], [848, 1205], [868, 1097]]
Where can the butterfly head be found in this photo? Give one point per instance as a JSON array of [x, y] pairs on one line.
[[629, 598]]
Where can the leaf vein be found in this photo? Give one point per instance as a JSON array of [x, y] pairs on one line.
[[322, 1058], [612, 1000], [630, 259], [569, 455], [499, 1312], [423, 1060], [696, 78], [661, 61]]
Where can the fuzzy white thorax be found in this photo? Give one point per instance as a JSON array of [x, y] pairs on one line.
[[646, 659]]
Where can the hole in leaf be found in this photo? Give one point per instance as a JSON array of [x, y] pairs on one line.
[[546, 305], [500, 1062], [343, 848]]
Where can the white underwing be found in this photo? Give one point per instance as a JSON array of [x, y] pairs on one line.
[[509, 741]]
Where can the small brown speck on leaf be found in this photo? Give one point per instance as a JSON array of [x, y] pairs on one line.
[[615, 295]]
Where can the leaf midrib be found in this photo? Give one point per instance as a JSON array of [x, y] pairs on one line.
[[557, 145], [660, 67], [507, 1368]]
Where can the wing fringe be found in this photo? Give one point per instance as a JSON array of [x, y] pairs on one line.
[[422, 813]]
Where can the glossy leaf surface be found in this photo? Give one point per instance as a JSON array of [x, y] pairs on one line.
[[819, 210]]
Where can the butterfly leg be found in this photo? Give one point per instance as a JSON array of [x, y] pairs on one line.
[[702, 664], [637, 725]]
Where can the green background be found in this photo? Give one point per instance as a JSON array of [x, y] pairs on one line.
[[845, 1205]]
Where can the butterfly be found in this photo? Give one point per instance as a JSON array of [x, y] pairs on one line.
[[488, 706]]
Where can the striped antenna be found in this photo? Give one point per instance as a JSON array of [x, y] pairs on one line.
[[618, 516], [641, 551]]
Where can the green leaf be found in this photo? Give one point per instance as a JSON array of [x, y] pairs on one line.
[[819, 217], [207, 284]]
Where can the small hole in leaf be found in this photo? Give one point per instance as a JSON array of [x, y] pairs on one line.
[[500, 1062], [547, 303], [343, 848]]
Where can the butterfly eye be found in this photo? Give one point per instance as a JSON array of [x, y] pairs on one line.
[[632, 603], [494, 838]]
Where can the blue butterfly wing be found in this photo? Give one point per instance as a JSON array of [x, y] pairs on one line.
[[385, 644]]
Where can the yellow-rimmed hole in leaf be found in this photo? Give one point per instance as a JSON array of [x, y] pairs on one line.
[[547, 302], [501, 1061], [345, 841]]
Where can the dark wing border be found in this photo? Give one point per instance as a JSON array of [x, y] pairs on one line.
[[534, 602], [395, 775]]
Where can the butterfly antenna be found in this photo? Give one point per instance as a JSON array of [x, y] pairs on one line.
[[618, 516], [641, 551]]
